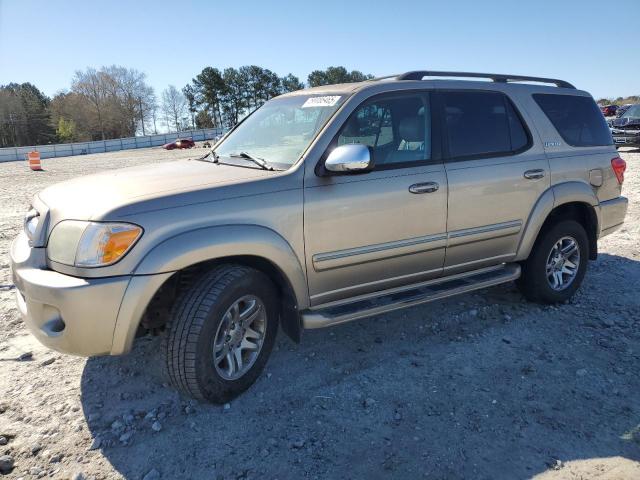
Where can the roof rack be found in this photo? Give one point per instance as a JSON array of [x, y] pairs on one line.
[[500, 78]]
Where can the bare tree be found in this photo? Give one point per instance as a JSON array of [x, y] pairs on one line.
[[129, 91], [119, 96], [174, 107], [153, 111], [92, 86]]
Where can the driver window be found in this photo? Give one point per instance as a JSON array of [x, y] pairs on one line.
[[397, 130]]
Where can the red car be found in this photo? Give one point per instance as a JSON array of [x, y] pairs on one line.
[[609, 110], [180, 143]]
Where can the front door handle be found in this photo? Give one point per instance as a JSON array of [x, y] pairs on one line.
[[534, 174], [427, 187]]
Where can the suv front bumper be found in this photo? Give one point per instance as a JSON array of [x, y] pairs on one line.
[[65, 313], [626, 138], [80, 316]]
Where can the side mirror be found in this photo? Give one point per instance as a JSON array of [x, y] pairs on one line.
[[352, 158]]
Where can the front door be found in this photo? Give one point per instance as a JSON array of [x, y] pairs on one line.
[[496, 174], [367, 232]]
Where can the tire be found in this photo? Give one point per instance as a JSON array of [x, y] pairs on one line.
[[534, 282], [201, 316]]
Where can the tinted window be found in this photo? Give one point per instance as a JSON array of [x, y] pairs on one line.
[[519, 136], [482, 123], [396, 129], [577, 119]]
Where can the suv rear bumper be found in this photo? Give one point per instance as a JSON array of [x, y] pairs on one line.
[[80, 316], [612, 213]]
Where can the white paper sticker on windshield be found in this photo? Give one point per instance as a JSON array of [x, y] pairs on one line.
[[326, 101]]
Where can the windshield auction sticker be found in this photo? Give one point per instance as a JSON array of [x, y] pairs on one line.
[[326, 101]]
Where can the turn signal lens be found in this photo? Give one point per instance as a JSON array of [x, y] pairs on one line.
[[619, 166], [118, 243], [105, 243]]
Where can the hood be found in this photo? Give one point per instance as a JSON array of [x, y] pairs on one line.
[[146, 187]]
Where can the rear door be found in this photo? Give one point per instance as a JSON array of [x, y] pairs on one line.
[[496, 173]]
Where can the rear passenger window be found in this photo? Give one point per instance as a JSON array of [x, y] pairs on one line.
[[577, 119], [482, 124]]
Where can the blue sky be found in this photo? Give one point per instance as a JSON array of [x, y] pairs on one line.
[[591, 43]]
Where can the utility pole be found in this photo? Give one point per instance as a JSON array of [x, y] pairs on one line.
[[141, 115]]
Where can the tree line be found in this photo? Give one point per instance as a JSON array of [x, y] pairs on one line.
[[115, 102], [619, 100]]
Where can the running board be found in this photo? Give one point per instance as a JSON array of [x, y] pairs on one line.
[[408, 296]]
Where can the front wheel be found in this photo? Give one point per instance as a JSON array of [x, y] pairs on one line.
[[221, 334], [557, 264]]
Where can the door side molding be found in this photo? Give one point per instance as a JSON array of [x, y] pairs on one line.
[[485, 232], [380, 251]]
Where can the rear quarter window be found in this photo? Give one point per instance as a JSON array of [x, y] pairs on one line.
[[577, 119]]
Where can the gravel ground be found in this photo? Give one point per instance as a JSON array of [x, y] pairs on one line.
[[482, 386]]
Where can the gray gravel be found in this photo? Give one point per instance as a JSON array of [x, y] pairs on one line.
[[482, 386]]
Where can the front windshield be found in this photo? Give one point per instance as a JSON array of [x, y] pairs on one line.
[[281, 130], [632, 112]]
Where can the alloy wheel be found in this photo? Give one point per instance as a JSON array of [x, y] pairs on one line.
[[240, 337], [563, 263]]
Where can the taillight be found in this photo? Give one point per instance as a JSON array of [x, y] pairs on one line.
[[619, 166]]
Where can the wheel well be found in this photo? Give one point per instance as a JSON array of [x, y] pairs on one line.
[[157, 313], [584, 214]]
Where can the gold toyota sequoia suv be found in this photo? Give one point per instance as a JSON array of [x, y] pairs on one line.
[[323, 206]]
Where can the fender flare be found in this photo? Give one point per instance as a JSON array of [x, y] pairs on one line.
[[557, 195], [210, 243]]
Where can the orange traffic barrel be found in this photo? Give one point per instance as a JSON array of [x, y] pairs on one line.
[[33, 159]]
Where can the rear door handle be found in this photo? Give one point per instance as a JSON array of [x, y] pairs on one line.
[[427, 187], [534, 174]]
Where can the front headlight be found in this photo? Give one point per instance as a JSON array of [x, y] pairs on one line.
[[91, 244], [31, 223]]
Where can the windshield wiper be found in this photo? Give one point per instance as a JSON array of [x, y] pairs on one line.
[[214, 156], [261, 162]]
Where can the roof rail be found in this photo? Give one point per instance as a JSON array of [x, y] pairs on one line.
[[496, 77]]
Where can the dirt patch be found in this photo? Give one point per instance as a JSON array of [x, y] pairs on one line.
[[482, 386]]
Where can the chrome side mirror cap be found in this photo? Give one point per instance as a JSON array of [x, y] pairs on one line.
[[351, 158]]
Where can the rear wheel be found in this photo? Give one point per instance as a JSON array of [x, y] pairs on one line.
[[221, 333], [557, 264]]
